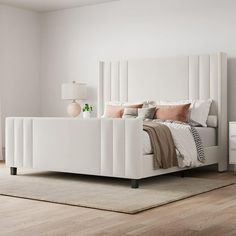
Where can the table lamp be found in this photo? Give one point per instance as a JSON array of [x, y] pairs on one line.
[[73, 91]]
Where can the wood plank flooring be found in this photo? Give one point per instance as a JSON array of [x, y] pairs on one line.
[[211, 214]]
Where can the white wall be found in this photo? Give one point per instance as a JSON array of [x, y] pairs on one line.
[[19, 62], [74, 40]]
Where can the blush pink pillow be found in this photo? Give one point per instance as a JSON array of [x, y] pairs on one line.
[[173, 112], [113, 111]]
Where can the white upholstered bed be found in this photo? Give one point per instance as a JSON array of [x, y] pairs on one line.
[[114, 147]]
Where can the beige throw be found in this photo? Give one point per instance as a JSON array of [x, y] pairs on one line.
[[164, 153]]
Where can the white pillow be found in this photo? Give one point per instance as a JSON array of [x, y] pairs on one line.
[[199, 110], [212, 121]]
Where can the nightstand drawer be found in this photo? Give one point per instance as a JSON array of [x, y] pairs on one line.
[[232, 136], [232, 130], [232, 142], [232, 156]]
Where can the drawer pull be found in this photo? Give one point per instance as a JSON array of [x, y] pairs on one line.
[[232, 149], [233, 136]]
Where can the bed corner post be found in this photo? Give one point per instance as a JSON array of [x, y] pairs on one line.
[[222, 113], [13, 170], [134, 183]]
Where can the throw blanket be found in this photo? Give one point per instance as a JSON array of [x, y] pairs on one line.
[[199, 145], [187, 143], [164, 153]]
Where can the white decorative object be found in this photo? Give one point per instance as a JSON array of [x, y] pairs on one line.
[[73, 91], [74, 109], [87, 110], [86, 114]]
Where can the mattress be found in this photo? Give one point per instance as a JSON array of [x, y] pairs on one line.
[[207, 134]]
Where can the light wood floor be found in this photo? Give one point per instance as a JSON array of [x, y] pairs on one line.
[[210, 214]]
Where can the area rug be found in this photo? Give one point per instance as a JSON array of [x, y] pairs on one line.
[[103, 193]]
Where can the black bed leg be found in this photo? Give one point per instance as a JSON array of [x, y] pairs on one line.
[[183, 174], [13, 170], [134, 183]]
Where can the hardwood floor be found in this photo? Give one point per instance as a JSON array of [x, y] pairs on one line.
[[211, 214]]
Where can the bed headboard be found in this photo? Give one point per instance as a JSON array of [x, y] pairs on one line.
[[172, 78]]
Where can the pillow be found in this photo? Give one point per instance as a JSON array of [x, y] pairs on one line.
[[146, 113], [199, 110], [112, 111], [212, 121], [172, 112], [150, 104], [116, 111], [130, 113]]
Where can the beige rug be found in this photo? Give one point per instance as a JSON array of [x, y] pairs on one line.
[[103, 193]]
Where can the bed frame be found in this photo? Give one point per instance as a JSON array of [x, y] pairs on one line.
[[113, 147]]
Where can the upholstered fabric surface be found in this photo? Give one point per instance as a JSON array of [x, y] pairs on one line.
[[102, 193], [212, 121], [194, 77]]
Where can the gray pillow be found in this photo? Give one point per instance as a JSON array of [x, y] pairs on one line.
[[146, 113], [130, 113]]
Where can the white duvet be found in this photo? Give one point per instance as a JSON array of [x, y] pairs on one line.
[[184, 142]]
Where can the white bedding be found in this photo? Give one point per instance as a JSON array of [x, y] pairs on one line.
[[207, 134], [182, 140]]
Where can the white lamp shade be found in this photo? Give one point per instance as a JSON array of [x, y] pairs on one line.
[[73, 91]]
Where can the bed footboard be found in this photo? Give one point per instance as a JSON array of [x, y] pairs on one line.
[[107, 147]]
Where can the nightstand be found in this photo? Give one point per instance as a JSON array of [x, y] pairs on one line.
[[232, 144]]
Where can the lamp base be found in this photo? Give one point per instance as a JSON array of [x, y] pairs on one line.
[[74, 109]]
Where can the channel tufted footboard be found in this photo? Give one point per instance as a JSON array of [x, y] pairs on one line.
[[106, 147]]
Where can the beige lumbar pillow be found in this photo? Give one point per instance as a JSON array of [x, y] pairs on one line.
[[130, 113], [144, 113]]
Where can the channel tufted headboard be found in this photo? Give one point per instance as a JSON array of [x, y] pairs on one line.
[[171, 78]]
